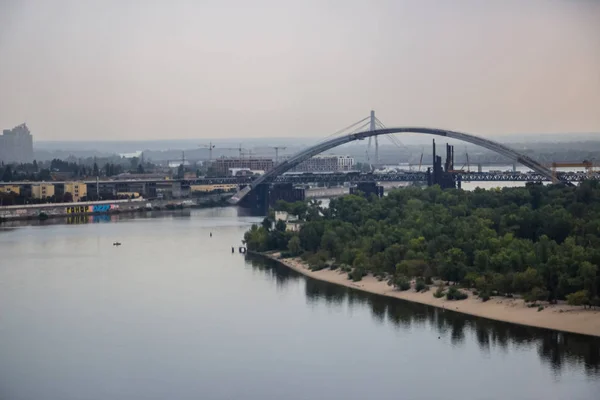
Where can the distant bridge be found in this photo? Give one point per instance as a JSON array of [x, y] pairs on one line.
[[340, 140]]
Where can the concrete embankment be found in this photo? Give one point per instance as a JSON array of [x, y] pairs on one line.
[[42, 211], [560, 317]]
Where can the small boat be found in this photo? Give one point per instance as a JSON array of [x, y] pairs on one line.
[[116, 243]]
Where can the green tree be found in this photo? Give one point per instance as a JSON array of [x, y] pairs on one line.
[[294, 246]]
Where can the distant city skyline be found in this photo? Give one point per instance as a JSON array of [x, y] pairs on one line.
[[114, 70]]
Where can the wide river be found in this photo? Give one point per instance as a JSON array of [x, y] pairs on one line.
[[173, 314]]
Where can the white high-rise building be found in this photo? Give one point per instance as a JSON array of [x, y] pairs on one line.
[[16, 145]]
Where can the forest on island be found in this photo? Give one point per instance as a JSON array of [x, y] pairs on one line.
[[541, 242]]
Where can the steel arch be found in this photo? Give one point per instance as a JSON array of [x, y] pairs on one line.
[[338, 141]]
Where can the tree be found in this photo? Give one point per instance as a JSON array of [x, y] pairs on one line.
[[294, 245], [7, 176], [280, 226], [68, 197], [267, 223]]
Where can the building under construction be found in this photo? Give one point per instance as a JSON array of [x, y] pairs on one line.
[[223, 165]]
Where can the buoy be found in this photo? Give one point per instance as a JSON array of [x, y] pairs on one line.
[[211, 234], [232, 249]]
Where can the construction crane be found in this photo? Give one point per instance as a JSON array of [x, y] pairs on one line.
[[277, 148], [210, 148]]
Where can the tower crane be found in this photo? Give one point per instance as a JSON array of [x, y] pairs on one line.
[[210, 148], [277, 148]]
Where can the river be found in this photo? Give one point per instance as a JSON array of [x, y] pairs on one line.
[[173, 314]]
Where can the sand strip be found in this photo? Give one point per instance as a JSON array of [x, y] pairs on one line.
[[561, 317]]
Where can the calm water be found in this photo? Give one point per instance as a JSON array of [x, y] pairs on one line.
[[172, 314]]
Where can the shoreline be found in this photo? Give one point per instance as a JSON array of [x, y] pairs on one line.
[[558, 317]]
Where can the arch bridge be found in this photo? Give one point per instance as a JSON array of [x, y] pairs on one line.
[[338, 141]]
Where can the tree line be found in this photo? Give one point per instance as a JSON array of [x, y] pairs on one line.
[[542, 242]]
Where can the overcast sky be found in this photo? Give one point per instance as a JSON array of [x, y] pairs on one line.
[[126, 69]]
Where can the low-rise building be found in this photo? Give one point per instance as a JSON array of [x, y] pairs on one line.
[[77, 189], [42, 190], [291, 221], [16, 189], [213, 188]]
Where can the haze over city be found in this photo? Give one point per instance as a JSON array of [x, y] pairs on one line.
[[134, 70]]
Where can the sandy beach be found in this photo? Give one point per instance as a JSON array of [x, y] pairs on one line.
[[561, 317]]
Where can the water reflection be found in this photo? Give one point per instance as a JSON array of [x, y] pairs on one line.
[[556, 349]]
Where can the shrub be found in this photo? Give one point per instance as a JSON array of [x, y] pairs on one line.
[[455, 294], [580, 298], [484, 296], [356, 274], [420, 286], [42, 216], [403, 284], [317, 267], [540, 308], [285, 254], [439, 293], [535, 294]]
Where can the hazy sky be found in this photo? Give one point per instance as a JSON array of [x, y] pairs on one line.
[[127, 69]]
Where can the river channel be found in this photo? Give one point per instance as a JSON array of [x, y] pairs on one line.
[[173, 314]]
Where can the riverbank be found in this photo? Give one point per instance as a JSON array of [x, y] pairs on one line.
[[560, 317], [41, 212]]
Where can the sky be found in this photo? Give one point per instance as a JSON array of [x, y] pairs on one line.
[[144, 70]]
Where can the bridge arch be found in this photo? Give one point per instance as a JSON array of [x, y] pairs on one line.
[[338, 141]]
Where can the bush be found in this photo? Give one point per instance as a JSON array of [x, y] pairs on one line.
[[403, 284], [484, 296], [580, 298], [535, 294], [455, 294], [285, 254], [356, 274], [420, 286], [42, 216], [439, 293], [540, 308]]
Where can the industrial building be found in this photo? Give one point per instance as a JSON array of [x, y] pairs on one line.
[[223, 165], [327, 163], [16, 145]]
